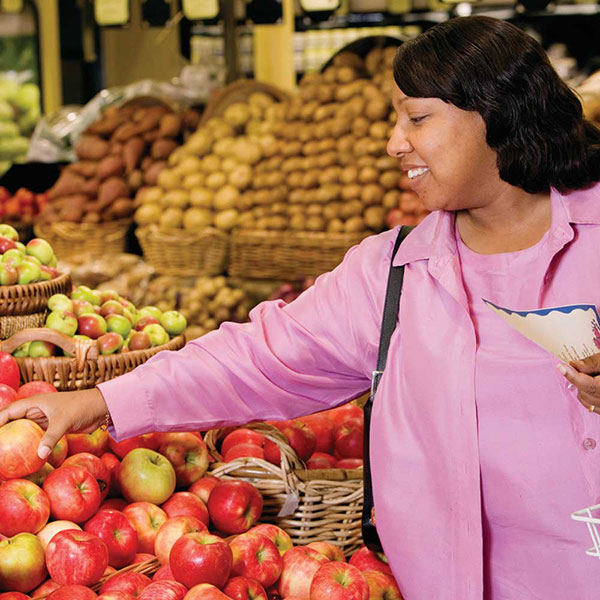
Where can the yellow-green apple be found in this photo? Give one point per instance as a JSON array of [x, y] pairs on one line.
[[109, 343], [40, 349], [13, 258], [321, 460], [82, 292], [22, 566], [188, 455], [124, 447], [63, 321], [257, 557], [130, 582], [150, 310], [33, 388], [51, 529], [76, 557], [278, 536], [299, 567], [24, 507], [146, 519], [300, 437], [164, 590], [60, 302], [41, 249], [111, 307], [234, 506], [45, 589], [73, 592], [382, 586], [19, 441], [343, 413], [142, 321], [22, 351], [186, 503], [94, 443], [205, 591], [348, 439], [200, 558], [9, 370], [203, 487], [139, 341], [40, 475], [28, 272], [82, 307], [59, 452], [173, 322], [114, 504], [8, 231], [170, 531], [328, 550], [118, 324], [7, 395], [242, 436], [339, 581], [73, 492], [146, 476], [322, 426], [367, 560], [349, 463], [8, 274], [92, 325], [48, 273], [115, 530], [163, 573], [157, 334], [244, 588], [93, 464], [112, 463], [243, 451]]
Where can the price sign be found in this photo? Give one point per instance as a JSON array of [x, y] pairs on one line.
[[12, 6], [111, 12], [200, 9], [319, 5]]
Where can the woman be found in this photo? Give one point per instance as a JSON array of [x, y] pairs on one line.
[[480, 451]]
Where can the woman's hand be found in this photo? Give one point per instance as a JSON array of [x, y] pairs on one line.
[[65, 412], [585, 376]]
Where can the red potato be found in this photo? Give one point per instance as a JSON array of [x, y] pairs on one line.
[[91, 147]]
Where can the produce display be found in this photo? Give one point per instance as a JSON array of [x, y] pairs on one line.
[[22, 207]]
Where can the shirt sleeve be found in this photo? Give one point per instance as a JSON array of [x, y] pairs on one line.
[[289, 360]]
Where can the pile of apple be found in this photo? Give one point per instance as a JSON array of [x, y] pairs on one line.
[[22, 206], [113, 321], [61, 533], [21, 264]]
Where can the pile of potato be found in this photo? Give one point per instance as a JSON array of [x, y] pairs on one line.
[[118, 154], [206, 178]]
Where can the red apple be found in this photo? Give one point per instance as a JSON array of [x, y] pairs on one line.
[[348, 440], [349, 463], [40, 475], [110, 342], [367, 560], [73, 492], [139, 341], [45, 589], [339, 581], [116, 595], [146, 476], [22, 565], [73, 592], [203, 487], [200, 558], [114, 504], [92, 464], [328, 550], [145, 320], [112, 463], [186, 503], [244, 588], [130, 582], [322, 426], [164, 590], [7, 395], [170, 531], [59, 452], [163, 573], [111, 307], [256, 556], [141, 557], [299, 567], [122, 448], [187, 454], [234, 506], [242, 436], [321, 460], [33, 388], [19, 441], [243, 451], [24, 507], [146, 519], [113, 528], [51, 529], [76, 557], [92, 325], [342, 413], [382, 586], [94, 443], [13, 596], [205, 591], [278, 536], [300, 437], [9, 371]]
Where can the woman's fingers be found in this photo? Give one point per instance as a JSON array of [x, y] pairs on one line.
[[18, 410], [589, 365], [587, 401], [583, 382]]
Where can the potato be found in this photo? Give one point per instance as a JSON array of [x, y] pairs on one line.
[[199, 143], [277, 223], [111, 166], [310, 179], [351, 191], [315, 223], [226, 197], [84, 168], [332, 210], [152, 172], [379, 130], [201, 197], [391, 199], [308, 110], [147, 214], [368, 175], [171, 218], [374, 217], [291, 149], [327, 159], [226, 219], [351, 208], [330, 175], [354, 225], [347, 74], [349, 174], [335, 226], [240, 177], [196, 218], [91, 148], [346, 144], [169, 125], [223, 147], [175, 199], [246, 151], [246, 221], [236, 114], [339, 126], [111, 189], [274, 179], [168, 179], [372, 194], [326, 145], [193, 181], [376, 110], [314, 210], [126, 131], [91, 187], [360, 126], [188, 165], [389, 180], [308, 93]]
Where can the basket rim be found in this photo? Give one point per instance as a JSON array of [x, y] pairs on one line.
[[30, 288], [74, 226], [154, 233], [315, 235]]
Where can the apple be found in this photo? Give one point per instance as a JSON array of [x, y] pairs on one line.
[[339, 581], [322, 426], [139, 341], [32, 260], [164, 572], [146, 476], [111, 307], [115, 530], [256, 556], [27, 272], [73, 492], [150, 310], [164, 590], [200, 558], [299, 567], [300, 437], [109, 343], [243, 435], [19, 441], [349, 463], [61, 302], [12, 258], [112, 463], [205, 591], [33, 388], [8, 274], [92, 325], [7, 395], [342, 413], [24, 507], [41, 249], [118, 324], [76, 557], [348, 439], [6, 244], [328, 550], [146, 519], [321, 460], [63, 321], [48, 273], [40, 349], [59, 453], [51, 529], [109, 571], [234, 506], [281, 539], [22, 566], [13, 596], [82, 292], [8, 231], [203, 487], [22, 351], [73, 592], [142, 557], [9, 370], [132, 583], [106, 295], [114, 504], [142, 321], [188, 455], [157, 334], [82, 307], [244, 451], [116, 595], [367, 560], [382, 586], [94, 466], [94, 443], [170, 531], [45, 589], [124, 447], [173, 322], [40, 475], [244, 588], [186, 503]]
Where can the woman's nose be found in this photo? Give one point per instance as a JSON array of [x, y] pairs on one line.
[[398, 143]]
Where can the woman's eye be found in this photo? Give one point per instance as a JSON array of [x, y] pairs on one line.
[[417, 120]]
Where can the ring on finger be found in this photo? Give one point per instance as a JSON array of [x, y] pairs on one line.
[[592, 408]]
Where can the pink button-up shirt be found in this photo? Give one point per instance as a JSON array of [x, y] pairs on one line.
[[319, 352]]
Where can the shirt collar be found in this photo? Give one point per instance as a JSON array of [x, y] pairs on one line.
[[435, 238]]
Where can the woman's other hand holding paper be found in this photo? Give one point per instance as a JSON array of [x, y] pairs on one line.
[[585, 376]]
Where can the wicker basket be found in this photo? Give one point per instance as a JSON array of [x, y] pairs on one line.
[[287, 254], [86, 368], [177, 251], [97, 239], [329, 501]]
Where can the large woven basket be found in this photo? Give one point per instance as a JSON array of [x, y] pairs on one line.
[[287, 254], [86, 368], [181, 252], [324, 505], [97, 239]]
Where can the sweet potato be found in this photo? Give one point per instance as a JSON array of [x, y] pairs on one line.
[[111, 189], [116, 148], [126, 131], [85, 168], [190, 119], [67, 183], [105, 126], [111, 166], [121, 208], [151, 173], [76, 200], [146, 163], [149, 116], [170, 125], [132, 153], [151, 136], [91, 147], [162, 148], [90, 187]]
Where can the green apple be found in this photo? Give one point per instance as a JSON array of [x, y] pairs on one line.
[[146, 476], [82, 292], [46, 273], [39, 349], [82, 307], [129, 315], [22, 562], [9, 232], [118, 324], [151, 310], [173, 322], [8, 274], [53, 262], [63, 321], [22, 351], [157, 334], [28, 272], [60, 302], [41, 249], [21, 247], [34, 260], [13, 257]]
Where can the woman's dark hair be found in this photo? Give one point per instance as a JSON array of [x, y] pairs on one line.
[[534, 121]]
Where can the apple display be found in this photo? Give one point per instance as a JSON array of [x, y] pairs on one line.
[[8, 274], [348, 439], [9, 371], [139, 341], [186, 503], [339, 581], [82, 292], [60, 302], [130, 582], [113, 464], [109, 343], [92, 325], [348, 463], [28, 272], [173, 322], [234, 506], [7, 395], [367, 560], [278, 536], [243, 451], [205, 591], [114, 529], [33, 388], [82, 307], [142, 321], [244, 588], [257, 557], [114, 504], [322, 426], [94, 443], [146, 476], [188, 455], [59, 452], [321, 460], [382, 586], [45, 589], [51, 529], [24, 507], [342, 413], [94, 466], [22, 566], [242, 436], [299, 567], [328, 550], [73, 592], [150, 310], [41, 249], [118, 324], [146, 519], [300, 437], [124, 447], [203, 487], [19, 441], [40, 349], [40, 475], [63, 321], [170, 531], [111, 307], [163, 573], [164, 590], [157, 334]]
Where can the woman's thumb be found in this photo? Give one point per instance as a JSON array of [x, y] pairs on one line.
[[50, 439]]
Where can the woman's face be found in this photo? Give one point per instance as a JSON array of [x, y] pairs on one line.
[[444, 151]]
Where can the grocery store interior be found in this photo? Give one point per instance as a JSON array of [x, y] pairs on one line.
[[165, 167]]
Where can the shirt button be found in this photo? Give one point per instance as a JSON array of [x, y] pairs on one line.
[[589, 443]]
